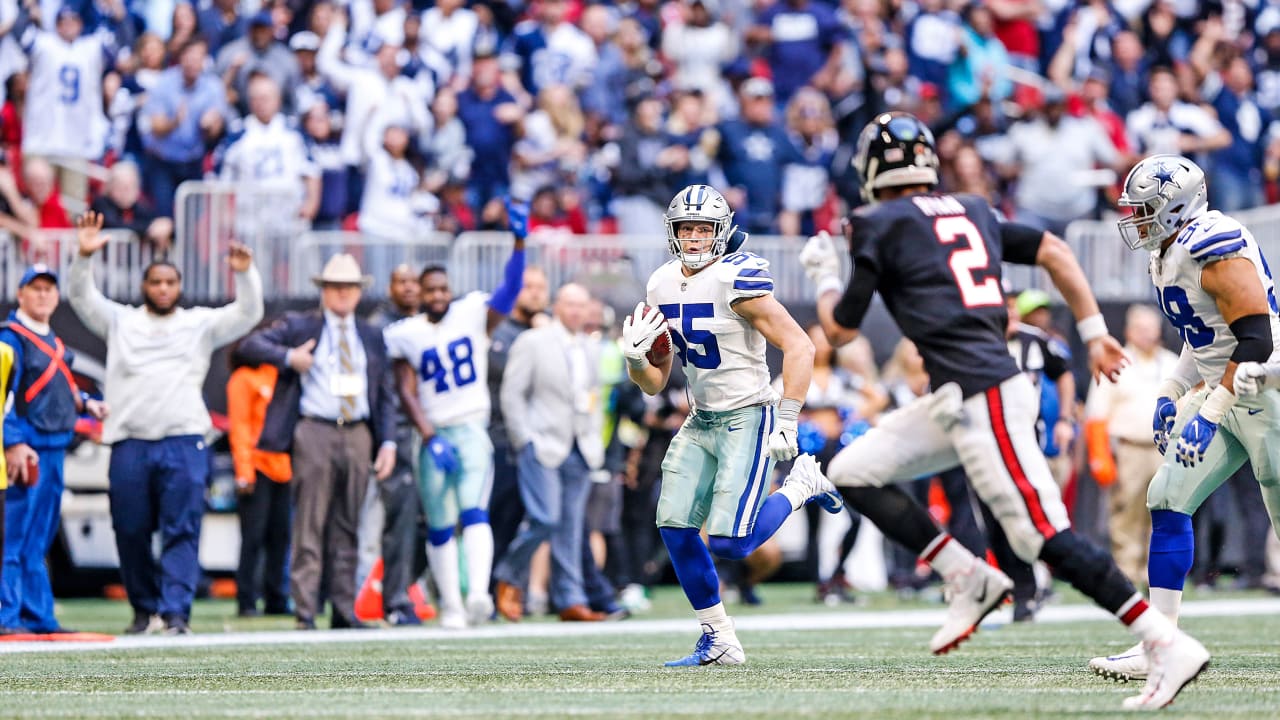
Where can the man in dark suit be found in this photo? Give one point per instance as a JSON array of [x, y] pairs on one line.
[[332, 408]]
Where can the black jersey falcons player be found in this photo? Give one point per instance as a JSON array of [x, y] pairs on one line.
[[935, 260]]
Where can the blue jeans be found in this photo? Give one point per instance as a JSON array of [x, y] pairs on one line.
[[31, 517], [1232, 190], [555, 501], [159, 485], [161, 179]]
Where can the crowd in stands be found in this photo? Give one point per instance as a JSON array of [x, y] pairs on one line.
[[377, 115]]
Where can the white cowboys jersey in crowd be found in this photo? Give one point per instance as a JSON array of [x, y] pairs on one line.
[[271, 154], [722, 354], [1176, 274], [63, 116], [451, 358]]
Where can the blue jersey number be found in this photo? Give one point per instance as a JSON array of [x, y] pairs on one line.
[[687, 337], [1176, 307], [1271, 291], [432, 368], [69, 79]]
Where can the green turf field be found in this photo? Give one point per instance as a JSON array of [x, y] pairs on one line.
[[1015, 671]]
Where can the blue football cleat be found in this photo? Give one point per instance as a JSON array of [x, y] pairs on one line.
[[713, 648]]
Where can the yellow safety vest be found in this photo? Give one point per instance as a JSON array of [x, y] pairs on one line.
[[6, 375]]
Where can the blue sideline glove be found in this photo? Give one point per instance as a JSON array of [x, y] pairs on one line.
[[444, 455], [517, 218], [1162, 423], [1195, 440]]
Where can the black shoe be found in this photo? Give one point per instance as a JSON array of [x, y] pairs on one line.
[[144, 624], [304, 623], [401, 618], [340, 622], [278, 610], [249, 612], [1024, 610], [176, 625]]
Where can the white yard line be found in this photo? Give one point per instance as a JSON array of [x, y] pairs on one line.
[[852, 620]]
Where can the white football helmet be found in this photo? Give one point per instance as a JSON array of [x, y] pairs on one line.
[[699, 203], [1164, 193]]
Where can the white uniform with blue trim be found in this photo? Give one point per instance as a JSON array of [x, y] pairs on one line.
[[1251, 429], [451, 358], [716, 471]]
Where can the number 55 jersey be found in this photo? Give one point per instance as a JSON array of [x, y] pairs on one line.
[[722, 354], [451, 358], [1176, 274]]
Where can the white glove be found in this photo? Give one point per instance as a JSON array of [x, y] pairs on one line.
[[1253, 377], [819, 258], [782, 442], [639, 331]]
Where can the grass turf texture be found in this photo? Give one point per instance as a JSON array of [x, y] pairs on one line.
[[1020, 671]]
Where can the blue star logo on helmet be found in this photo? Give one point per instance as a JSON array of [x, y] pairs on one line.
[[1164, 174]]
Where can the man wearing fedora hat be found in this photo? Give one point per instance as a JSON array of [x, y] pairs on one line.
[[333, 410], [157, 358]]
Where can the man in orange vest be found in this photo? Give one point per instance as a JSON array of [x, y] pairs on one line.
[[37, 432]]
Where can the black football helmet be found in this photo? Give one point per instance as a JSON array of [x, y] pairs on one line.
[[895, 149]]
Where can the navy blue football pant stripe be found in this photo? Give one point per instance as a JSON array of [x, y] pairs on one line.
[[158, 485], [31, 517]]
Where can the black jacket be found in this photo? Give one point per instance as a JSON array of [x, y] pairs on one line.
[[271, 344]]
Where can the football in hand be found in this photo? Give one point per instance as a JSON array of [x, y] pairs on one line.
[[661, 348]]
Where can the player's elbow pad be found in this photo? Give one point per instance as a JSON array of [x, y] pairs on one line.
[[1253, 338]]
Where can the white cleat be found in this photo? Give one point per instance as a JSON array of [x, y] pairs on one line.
[[1124, 667], [808, 483], [479, 609], [453, 619], [1174, 664], [713, 648], [971, 596]]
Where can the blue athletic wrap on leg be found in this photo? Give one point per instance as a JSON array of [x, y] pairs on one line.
[[503, 299], [474, 516], [693, 565], [1173, 549], [439, 536], [772, 514]]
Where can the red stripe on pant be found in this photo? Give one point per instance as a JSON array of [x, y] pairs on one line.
[[995, 406]]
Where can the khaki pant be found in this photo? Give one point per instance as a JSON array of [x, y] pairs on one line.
[[1129, 521], [330, 478]]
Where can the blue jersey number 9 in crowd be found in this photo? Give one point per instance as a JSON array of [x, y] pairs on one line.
[[432, 368], [693, 346], [1177, 307]]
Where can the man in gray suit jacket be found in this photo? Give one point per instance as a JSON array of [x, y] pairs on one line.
[[551, 399]]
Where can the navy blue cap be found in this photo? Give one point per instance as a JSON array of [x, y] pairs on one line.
[[35, 271], [67, 11], [261, 19]]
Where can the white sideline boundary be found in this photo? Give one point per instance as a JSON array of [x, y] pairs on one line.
[[826, 621]]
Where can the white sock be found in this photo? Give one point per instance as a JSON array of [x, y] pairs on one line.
[[444, 568], [946, 555], [1150, 625], [717, 618], [478, 540], [1168, 602], [793, 493]]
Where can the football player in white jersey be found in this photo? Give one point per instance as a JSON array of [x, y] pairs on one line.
[[719, 310], [442, 358], [1215, 287], [63, 119]]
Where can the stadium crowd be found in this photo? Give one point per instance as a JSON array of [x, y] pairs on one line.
[[379, 116]]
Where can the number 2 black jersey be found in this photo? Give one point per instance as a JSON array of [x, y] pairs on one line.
[[935, 260]]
